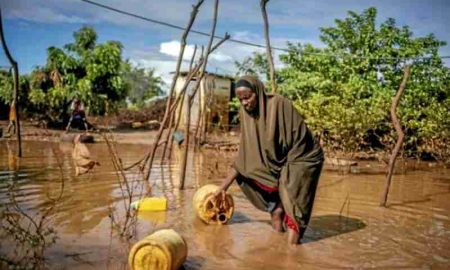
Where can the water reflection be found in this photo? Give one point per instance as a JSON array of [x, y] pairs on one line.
[[348, 228], [322, 227]]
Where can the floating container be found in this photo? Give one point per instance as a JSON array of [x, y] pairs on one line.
[[162, 250], [210, 209], [150, 204], [158, 217]]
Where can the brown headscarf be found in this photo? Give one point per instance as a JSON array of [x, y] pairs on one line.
[[278, 150]]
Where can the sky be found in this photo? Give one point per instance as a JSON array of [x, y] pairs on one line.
[[31, 26]]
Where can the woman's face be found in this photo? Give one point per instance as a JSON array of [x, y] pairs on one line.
[[247, 98]]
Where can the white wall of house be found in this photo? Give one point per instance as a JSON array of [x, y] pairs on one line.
[[212, 97]]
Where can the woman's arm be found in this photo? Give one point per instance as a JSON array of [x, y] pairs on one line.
[[226, 183]]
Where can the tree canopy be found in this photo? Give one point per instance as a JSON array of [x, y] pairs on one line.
[[344, 89], [94, 72], [82, 69], [143, 84]]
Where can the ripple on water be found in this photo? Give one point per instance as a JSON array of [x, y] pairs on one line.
[[347, 230]]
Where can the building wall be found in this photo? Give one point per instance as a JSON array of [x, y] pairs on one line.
[[213, 98]]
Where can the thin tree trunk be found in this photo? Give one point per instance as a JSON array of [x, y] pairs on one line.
[[268, 48], [177, 124], [16, 86], [206, 119], [167, 136], [173, 114], [186, 149], [192, 96], [399, 131], [190, 76], [199, 116], [152, 151]]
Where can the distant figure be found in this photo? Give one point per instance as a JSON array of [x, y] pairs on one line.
[[82, 157], [12, 119], [78, 117]]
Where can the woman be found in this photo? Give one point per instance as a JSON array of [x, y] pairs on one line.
[[279, 162]]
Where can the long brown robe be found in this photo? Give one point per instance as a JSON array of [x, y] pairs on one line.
[[277, 150]]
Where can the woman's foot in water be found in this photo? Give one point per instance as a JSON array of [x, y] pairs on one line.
[[293, 237], [277, 219]]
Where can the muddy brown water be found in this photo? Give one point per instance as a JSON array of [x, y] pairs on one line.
[[348, 228]]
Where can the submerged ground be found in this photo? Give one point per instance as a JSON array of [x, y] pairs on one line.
[[348, 228]]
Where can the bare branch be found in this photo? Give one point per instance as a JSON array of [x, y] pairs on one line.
[[401, 135], [152, 150], [16, 86], [192, 95], [172, 114], [263, 4]]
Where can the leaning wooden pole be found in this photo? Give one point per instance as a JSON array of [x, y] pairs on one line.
[[16, 86], [191, 96], [169, 133], [178, 116], [268, 48], [190, 76], [152, 151], [199, 116], [400, 133]]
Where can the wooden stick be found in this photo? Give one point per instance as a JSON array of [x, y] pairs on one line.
[[152, 151], [173, 114], [189, 77], [399, 131], [268, 48], [151, 154], [177, 124], [191, 96], [16, 86], [199, 116]]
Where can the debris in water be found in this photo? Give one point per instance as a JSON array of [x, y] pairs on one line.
[[82, 157], [150, 204]]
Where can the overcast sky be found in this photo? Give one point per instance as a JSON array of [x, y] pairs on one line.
[[31, 26]]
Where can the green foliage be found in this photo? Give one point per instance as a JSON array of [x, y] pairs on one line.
[[143, 84], [234, 105], [345, 89], [7, 88], [84, 69], [256, 65]]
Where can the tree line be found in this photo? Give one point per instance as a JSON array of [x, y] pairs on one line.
[[345, 88], [94, 72]]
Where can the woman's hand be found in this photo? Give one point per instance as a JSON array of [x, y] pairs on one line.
[[220, 192], [226, 183]]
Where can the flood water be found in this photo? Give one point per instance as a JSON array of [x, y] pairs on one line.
[[348, 228]]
